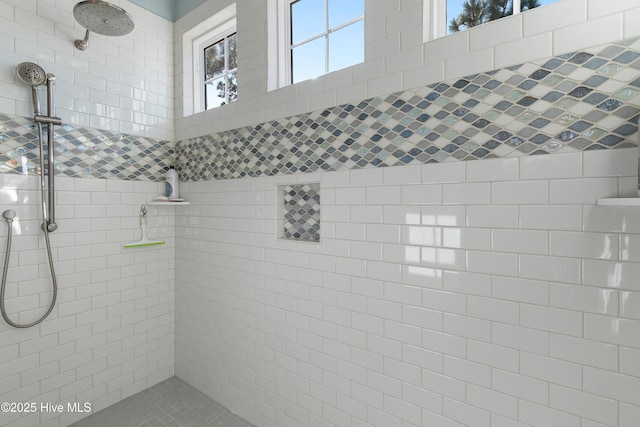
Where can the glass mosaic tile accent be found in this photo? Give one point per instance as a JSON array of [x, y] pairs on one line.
[[587, 100], [302, 212], [580, 101], [84, 152]]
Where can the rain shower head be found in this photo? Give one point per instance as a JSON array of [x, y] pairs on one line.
[[102, 18], [31, 74]]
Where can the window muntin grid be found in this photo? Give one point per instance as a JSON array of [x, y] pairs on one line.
[[324, 36], [220, 72]]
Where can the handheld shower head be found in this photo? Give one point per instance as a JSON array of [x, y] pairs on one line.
[[9, 215], [102, 18], [32, 75]]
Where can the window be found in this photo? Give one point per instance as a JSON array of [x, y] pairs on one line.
[[209, 64], [220, 74], [450, 16], [323, 36]]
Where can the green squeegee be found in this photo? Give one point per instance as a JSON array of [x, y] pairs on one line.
[[144, 241]]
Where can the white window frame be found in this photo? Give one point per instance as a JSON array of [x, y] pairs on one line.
[[199, 45], [282, 18], [434, 18], [192, 93]]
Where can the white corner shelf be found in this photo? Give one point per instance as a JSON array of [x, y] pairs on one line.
[[619, 201], [168, 203]]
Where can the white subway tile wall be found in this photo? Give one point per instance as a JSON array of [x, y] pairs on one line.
[[476, 310], [438, 296], [111, 333], [121, 84]]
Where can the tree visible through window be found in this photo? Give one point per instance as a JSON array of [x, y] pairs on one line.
[[476, 12], [326, 35], [220, 72]]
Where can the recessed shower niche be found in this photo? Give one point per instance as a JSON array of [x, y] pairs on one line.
[[299, 212]]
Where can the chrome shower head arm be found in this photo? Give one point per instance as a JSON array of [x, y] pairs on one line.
[[84, 43]]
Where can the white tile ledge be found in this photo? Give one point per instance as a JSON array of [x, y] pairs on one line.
[[624, 201]]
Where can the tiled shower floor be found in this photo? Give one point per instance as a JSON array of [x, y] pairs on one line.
[[172, 403]]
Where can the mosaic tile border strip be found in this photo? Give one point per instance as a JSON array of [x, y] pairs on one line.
[[586, 100], [301, 212], [581, 101], [84, 152]]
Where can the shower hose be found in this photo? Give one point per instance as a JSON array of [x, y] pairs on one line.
[[9, 215]]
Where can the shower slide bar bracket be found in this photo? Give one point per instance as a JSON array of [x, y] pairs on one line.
[[46, 120]]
